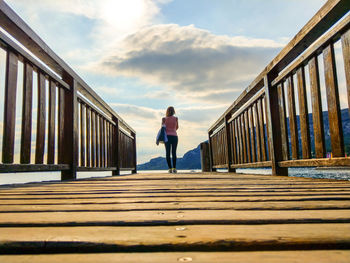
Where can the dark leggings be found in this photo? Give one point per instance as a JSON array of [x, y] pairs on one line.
[[171, 144]]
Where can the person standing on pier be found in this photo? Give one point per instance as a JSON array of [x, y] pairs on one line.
[[172, 124]]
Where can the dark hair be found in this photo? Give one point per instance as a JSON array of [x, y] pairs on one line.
[[170, 111]]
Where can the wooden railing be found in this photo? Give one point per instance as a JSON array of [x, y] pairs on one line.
[[254, 130], [75, 130]]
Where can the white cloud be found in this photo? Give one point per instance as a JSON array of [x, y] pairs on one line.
[[188, 59]]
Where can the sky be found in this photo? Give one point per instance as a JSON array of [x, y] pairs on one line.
[[142, 56]]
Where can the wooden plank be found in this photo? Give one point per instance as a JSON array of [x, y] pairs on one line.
[[104, 157], [41, 120], [241, 147], [97, 139], [340, 161], [262, 130], [335, 126], [252, 135], [320, 256], [292, 119], [82, 134], [60, 120], [234, 147], [12, 168], [168, 238], [283, 122], [107, 144], [345, 40], [51, 124], [303, 115], [317, 115], [8, 139], [93, 139], [26, 132], [253, 165], [257, 131], [247, 136], [187, 217], [267, 127], [88, 137], [238, 149]]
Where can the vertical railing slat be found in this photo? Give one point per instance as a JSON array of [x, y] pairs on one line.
[[26, 134], [97, 142], [8, 146], [40, 131], [283, 122], [88, 136], [292, 119], [101, 140], [303, 114], [257, 131], [104, 145], [82, 134], [247, 135], [93, 139], [262, 130], [345, 39], [52, 123], [252, 136], [317, 116], [242, 152], [335, 126], [60, 134], [238, 149]]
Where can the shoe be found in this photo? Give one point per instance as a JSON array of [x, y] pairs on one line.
[[174, 170], [170, 171]]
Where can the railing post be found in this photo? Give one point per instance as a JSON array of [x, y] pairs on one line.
[[134, 171], [116, 148], [211, 152], [70, 136], [274, 127], [228, 145]]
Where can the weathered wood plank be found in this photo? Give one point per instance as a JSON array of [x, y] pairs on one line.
[[303, 115], [346, 55], [188, 217], [247, 136], [51, 124], [257, 132], [8, 139], [88, 137], [26, 132], [283, 122], [61, 110], [317, 116], [82, 134], [93, 139], [292, 119], [320, 256], [335, 126], [41, 120], [170, 238], [252, 134], [262, 129]]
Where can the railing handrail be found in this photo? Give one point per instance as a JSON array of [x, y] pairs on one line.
[[20, 30], [327, 16]]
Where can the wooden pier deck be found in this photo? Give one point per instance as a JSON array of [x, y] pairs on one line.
[[206, 217]]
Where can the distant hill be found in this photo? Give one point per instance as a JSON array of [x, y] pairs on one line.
[[190, 160]]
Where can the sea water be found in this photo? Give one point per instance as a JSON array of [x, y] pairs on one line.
[[319, 173]]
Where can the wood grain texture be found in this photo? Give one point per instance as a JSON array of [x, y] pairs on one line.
[[257, 132], [345, 40], [60, 120], [26, 132], [82, 134], [317, 115], [41, 120], [52, 123], [252, 133], [8, 145], [262, 129], [303, 114], [292, 118], [283, 122], [335, 126], [88, 137]]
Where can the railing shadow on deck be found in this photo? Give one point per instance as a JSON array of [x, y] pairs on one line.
[[75, 129], [253, 132]]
